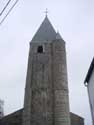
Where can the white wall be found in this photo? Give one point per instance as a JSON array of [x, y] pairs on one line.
[[91, 94]]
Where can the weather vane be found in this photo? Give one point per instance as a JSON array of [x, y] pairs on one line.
[[46, 12]]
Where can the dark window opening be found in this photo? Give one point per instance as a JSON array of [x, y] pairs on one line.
[[40, 49]]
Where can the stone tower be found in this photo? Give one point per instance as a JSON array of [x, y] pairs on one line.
[[46, 93]]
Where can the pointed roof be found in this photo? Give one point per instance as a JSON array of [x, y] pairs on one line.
[[58, 36], [45, 32]]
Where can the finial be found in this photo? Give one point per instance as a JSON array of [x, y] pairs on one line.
[[46, 12]]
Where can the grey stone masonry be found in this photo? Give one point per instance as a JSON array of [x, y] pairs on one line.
[[60, 84], [46, 93]]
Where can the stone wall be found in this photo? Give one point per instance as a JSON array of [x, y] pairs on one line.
[[46, 93], [60, 83]]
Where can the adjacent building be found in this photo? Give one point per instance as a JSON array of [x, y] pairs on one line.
[[15, 118], [89, 83]]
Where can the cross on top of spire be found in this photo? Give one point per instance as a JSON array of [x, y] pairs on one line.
[[46, 12]]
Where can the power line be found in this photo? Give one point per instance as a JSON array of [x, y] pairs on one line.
[[8, 12], [5, 7]]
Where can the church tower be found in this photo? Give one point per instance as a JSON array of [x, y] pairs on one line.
[[46, 93]]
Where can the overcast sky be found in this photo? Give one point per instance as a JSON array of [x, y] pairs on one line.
[[74, 19]]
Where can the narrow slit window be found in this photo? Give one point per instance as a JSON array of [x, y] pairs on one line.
[[40, 49]]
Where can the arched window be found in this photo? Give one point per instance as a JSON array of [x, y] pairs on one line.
[[40, 49]]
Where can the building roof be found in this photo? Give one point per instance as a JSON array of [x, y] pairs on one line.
[[15, 118], [89, 73], [58, 36], [45, 32]]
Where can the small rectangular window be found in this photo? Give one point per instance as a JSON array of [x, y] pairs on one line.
[[40, 49]]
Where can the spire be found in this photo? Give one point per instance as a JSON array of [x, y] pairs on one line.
[[45, 32], [58, 36]]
